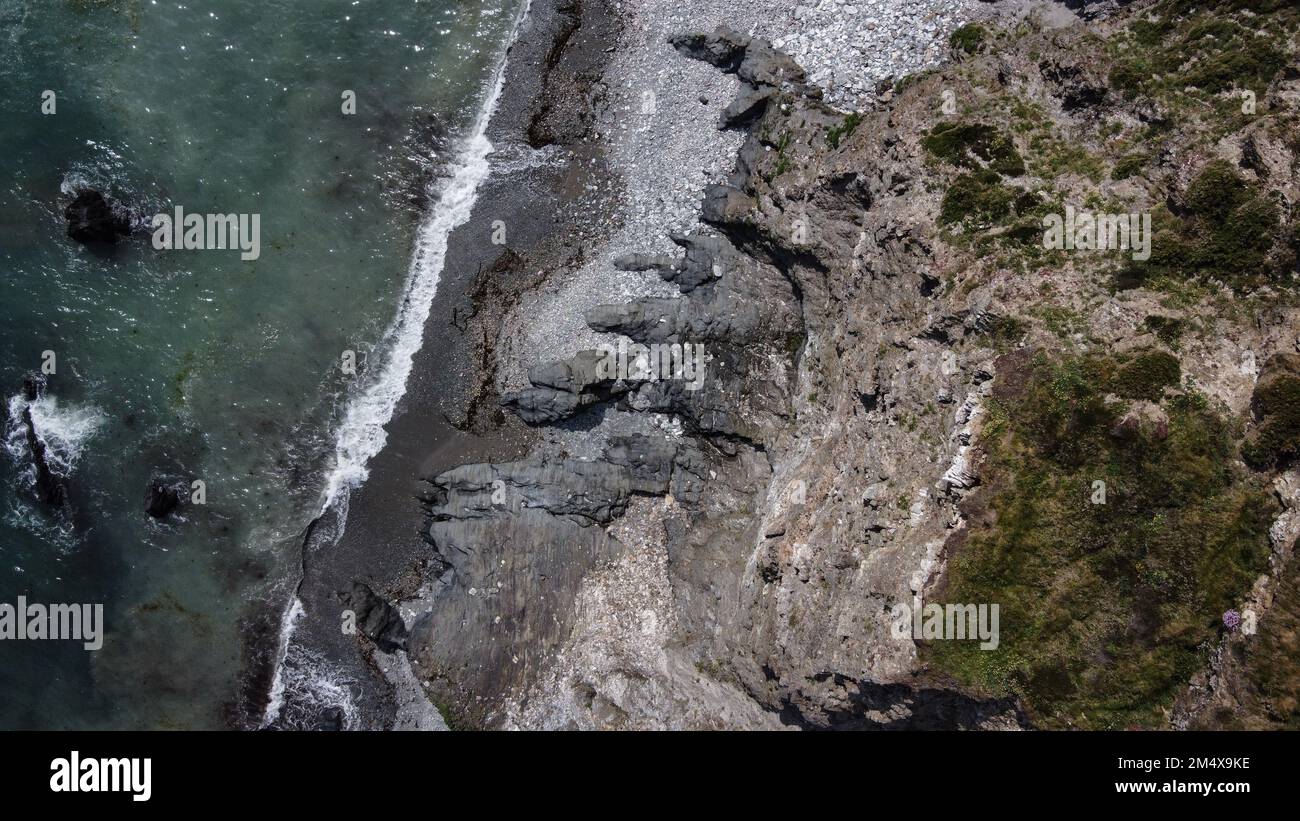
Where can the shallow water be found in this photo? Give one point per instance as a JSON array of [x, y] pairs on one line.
[[197, 364]]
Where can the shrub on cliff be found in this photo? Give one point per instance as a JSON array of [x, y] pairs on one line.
[[1224, 229], [1147, 375], [1108, 593], [968, 38], [974, 146], [1276, 440], [1205, 47]]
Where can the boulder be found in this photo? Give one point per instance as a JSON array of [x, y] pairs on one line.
[[377, 619]]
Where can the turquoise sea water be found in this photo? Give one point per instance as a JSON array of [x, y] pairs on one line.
[[196, 364]]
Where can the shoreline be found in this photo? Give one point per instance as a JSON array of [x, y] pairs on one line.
[[438, 422], [612, 138]]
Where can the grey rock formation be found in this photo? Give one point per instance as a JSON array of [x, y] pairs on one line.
[[50, 487], [561, 389], [376, 618], [764, 72], [642, 262], [514, 542], [737, 566]]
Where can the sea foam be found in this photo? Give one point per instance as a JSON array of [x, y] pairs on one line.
[[361, 434], [64, 430]]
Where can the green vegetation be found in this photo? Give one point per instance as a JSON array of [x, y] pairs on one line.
[[1273, 657], [1187, 60], [1061, 321], [1276, 440], [1053, 156], [978, 198], [1199, 46], [1166, 328], [1130, 165], [1226, 231], [783, 163], [1106, 609], [1146, 376], [968, 38], [835, 135], [974, 146], [915, 78], [1005, 332]]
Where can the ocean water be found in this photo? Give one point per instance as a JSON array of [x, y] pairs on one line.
[[197, 365]]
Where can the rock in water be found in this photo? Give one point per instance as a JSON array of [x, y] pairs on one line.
[[92, 218], [161, 498], [33, 386], [50, 487]]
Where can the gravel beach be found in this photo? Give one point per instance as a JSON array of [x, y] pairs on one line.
[[659, 121]]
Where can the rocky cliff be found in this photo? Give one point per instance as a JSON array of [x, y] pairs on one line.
[[909, 398]]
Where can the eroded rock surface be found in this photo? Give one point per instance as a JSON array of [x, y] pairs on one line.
[[734, 561]]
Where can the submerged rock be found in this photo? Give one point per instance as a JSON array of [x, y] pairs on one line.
[[33, 386]]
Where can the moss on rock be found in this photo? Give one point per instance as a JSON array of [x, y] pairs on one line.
[[974, 146], [1275, 441]]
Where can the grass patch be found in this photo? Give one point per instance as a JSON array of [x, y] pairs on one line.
[[1130, 165], [1225, 230], [836, 135], [1054, 157], [1146, 376], [974, 146], [1106, 609]]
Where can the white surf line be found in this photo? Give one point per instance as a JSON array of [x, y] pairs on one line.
[[362, 435]]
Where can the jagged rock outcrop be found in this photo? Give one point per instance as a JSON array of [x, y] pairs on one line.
[[376, 618], [764, 72], [514, 542], [49, 486], [746, 553], [561, 389]]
